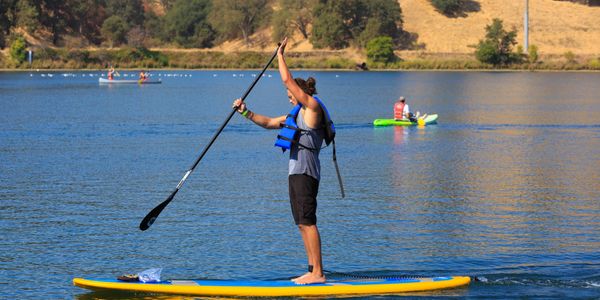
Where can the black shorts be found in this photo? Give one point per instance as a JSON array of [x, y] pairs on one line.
[[303, 198]]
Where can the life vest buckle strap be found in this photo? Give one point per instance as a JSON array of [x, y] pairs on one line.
[[295, 142], [283, 125]]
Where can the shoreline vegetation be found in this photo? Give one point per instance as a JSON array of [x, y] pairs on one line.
[[142, 58], [327, 35]]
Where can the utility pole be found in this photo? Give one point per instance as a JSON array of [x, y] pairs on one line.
[[526, 25]]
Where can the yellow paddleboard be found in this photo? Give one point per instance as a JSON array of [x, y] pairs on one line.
[[279, 288]]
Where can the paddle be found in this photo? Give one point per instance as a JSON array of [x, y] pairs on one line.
[[153, 214]]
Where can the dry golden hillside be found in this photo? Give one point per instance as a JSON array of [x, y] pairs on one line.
[[554, 26]]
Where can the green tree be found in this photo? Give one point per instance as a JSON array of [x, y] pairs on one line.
[[239, 18], [61, 17], [7, 9], [154, 26], [381, 50], [85, 17], [27, 15], [131, 11], [487, 52], [334, 21], [496, 49], [356, 15], [54, 17], [114, 30], [167, 4], [329, 32], [18, 50], [337, 23], [293, 15], [385, 19], [282, 27], [186, 23]]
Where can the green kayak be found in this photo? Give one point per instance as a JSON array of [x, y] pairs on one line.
[[429, 119]]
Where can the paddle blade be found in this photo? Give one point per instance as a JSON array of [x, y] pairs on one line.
[[153, 214]]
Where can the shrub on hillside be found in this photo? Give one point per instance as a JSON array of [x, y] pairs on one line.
[[486, 52], [533, 54], [594, 64], [570, 57], [131, 56], [496, 49], [447, 7], [18, 50], [381, 50], [48, 54]]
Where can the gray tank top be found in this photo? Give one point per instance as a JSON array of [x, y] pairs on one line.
[[302, 160]]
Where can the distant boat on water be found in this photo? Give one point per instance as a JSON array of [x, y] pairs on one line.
[[126, 81]]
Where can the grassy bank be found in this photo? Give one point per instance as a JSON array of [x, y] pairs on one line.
[[135, 58]]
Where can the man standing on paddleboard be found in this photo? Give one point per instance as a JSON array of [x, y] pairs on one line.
[[302, 132]]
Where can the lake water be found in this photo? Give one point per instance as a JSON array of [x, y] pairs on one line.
[[506, 187]]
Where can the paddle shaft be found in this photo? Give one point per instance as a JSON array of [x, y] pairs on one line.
[[153, 214]]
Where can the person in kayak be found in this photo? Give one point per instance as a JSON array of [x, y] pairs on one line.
[[143, 76], [402, 110], [111, 73], [304, 164]]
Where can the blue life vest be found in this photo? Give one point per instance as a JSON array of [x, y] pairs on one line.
[[290, 133]]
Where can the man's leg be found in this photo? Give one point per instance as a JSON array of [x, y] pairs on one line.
[[312, 244], [303, 199], [308, 256]]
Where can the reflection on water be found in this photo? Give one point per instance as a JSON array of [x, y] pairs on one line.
[[505, 186], [399, 135]]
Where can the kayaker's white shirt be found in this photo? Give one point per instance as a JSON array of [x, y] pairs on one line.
[[405, 111]]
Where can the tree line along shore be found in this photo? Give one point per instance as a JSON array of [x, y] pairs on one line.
[[142, 58], [186, 34]]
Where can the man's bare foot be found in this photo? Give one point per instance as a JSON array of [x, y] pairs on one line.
[[306, 274], [310, 278]]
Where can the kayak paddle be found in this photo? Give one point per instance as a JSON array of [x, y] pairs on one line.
[[153, 214]]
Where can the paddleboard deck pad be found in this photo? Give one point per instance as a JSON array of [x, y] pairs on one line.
[[278, 288]]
